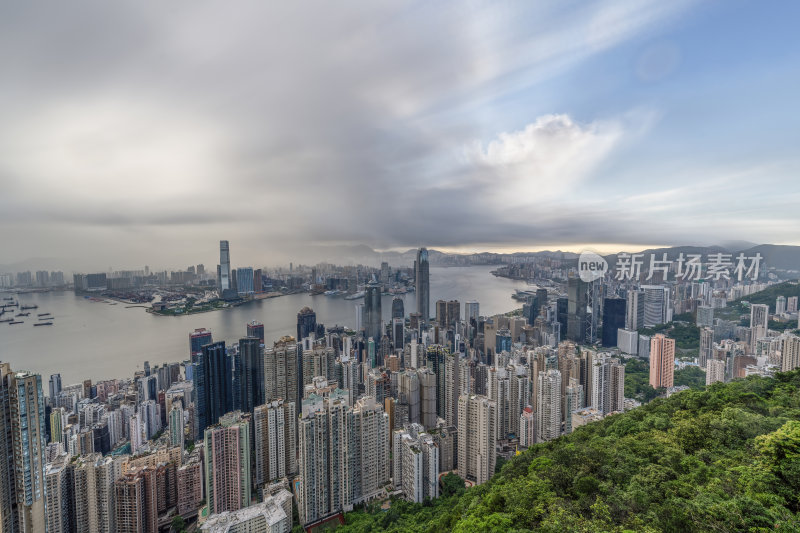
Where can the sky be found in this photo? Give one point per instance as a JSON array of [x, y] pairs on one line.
[[134, 133]]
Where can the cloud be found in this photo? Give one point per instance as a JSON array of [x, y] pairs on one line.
[[549, 156]]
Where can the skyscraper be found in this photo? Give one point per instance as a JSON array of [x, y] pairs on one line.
[[477, 433], [213, 383], [9, 519], [280, 371], [423, 284], [244, 280], [759, 316], [227, 463], [705, 316], [613, 319], [397, 308], [373, 323], [634, 313], [256, 329], [29, 444], [306, 323], [577, 309], [275, 458], [55, 387], [662, 361], [224, 267], [249, 375], [657, 308], [197, 339], [548, 406]]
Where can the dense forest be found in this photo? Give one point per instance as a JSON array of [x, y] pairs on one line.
[[726, 458]]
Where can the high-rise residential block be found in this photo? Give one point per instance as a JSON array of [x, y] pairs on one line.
[[662, 361], [227, 463], [477, 435]]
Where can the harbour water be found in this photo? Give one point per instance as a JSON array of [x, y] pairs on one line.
[[96, 340]]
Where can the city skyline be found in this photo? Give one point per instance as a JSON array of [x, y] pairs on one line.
[[145, 136]]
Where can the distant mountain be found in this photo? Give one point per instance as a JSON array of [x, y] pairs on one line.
[[778, 256]]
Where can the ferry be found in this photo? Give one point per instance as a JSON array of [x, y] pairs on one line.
[[24, 307], [355, 296], [16, 322], [6, 320], [23, 314], [44, 314], [43, 324]]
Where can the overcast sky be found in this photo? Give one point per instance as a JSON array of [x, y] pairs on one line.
[[139, 133]]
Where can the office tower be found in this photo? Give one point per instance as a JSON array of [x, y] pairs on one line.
[[577, 309], [562, 315], [373, 324], [471, 310], [398, 310], [59, 495], [93, 479], [435, 357], [136, 501], [423, 287], [715, 371], [477, 434], [656, 305], [244, 280], [548, 408], [29, 444], [197, 339], [780, 305], [662, 361], [541, 300], [705, 316], [55, 387], [790, 357], [248, 374], [273, 515], [224, 281], [306, 323], [213, 383], [706, 346], [256, 329], [176, 424], [281, 372], [227, 463], [258, 282], [644, 347], [453, 313], [527, 427], [441, 313], [627, 341], [634, 310], [275, 457], [613, 320], [398, 333]]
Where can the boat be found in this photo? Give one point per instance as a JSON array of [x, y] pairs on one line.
[[23, 314], [355, 296], [44, 314], [24, 307], [15, 322], [7, 320], [43, 324], [8, 298]]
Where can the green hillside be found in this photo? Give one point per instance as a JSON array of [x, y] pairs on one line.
[[722, 459]]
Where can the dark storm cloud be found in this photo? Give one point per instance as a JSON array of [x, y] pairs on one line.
[[275, 125]]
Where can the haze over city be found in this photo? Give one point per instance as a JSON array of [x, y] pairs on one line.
[[131, 134]]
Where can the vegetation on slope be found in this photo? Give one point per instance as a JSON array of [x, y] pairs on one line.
[[722, 459]]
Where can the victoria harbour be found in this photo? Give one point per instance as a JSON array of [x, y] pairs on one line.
[[98, 340]]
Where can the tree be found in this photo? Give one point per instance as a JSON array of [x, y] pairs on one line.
[[178, 524], [452, 484]]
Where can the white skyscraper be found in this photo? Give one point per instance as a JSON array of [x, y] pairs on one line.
[[477, 435], [548, 406]]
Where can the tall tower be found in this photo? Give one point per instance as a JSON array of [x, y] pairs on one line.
[[213, 382], [423, 285], [9, 519], [227, 462], [256, 329], [306, 323], [224, 266], [27, 427], [549, 405], [249, 370], [477, 431], [662, 361], [373, 326], [613, 319]]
